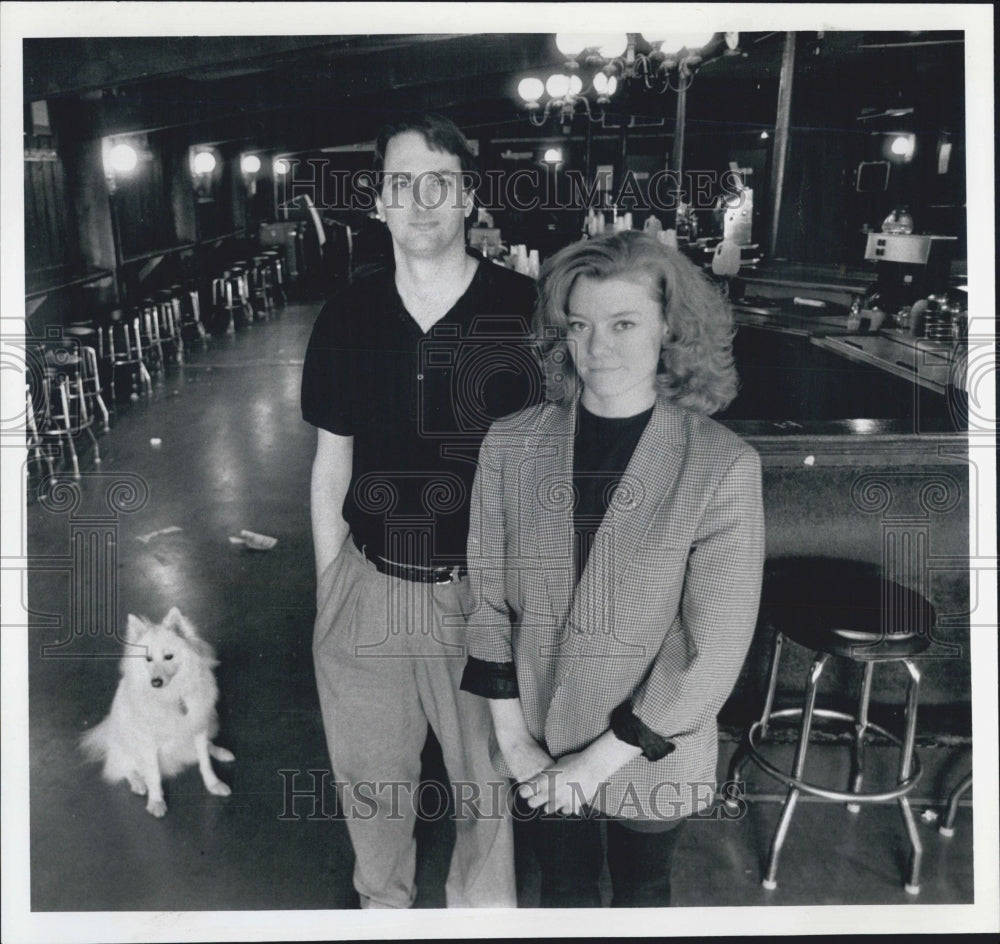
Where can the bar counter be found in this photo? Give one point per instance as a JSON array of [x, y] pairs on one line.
[[865, 456]]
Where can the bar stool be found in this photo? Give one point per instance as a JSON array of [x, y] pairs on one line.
[[261, 290], [274, 257], [66, 415], [38, 451], [191, 326], [232, 310], [168, 309], [239, 275], [87, 340], [121, 349], [152, 345], [78, 362], [846, 610]]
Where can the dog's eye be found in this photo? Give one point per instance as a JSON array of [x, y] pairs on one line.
[[149, 658], [168, 656]]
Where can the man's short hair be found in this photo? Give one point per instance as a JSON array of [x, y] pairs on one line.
[[440, 134]]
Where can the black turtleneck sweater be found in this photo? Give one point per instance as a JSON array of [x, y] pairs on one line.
[[601, 453]]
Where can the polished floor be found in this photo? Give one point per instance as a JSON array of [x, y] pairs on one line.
[[233, 454]]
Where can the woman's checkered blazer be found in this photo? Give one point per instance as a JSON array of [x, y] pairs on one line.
[[663, 614]]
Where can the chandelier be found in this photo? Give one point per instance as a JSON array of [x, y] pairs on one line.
[[659, 61]]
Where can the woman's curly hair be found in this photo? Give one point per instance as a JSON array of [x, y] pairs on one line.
[[697, 370]]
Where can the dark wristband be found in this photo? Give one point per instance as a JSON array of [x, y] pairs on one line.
[[628, 728], [490, 679]]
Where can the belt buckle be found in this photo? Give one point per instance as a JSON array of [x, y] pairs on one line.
[[443, 575]]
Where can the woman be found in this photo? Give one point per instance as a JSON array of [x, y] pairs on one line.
[[615, 551]]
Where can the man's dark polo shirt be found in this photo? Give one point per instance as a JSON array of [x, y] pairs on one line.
[[418, 405]]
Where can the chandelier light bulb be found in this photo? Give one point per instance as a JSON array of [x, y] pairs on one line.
[[281, 166], [571, 44], [558, 85], [553, 156], [902, 145], [614, 46], [575, 84], [688, 41], [204, 162], [530, 89], [605, 84], [124, 158], [250, 164]]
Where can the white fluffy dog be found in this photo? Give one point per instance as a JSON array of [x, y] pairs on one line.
[[163, 715]]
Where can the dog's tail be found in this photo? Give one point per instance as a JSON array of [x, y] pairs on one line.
[[94, 743]]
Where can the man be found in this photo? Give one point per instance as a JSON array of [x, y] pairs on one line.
[[403, 374]]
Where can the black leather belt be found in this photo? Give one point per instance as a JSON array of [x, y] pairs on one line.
[[415, 573]]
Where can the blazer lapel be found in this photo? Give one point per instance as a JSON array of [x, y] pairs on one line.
[[553, 507], [647, 480]]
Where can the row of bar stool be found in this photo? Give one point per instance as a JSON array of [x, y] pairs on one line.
[[122, 351], [248, 291]]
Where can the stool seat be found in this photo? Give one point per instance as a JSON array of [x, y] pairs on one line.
[[847, 609], [841, 609]]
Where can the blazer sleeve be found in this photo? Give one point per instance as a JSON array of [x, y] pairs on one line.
[[490, 669], [700, 659]]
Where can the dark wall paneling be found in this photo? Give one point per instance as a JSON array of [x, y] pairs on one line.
[[49, 231], [144, 209]]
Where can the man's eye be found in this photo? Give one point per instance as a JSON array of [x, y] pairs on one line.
[[624, 324]]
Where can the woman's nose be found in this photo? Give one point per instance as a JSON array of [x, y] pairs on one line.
[[597, 343]]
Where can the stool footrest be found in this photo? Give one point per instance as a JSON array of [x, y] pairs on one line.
[[841, 796]]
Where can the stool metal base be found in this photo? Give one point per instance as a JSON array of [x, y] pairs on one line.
[[851, 798], [909, 770], [947, 828]]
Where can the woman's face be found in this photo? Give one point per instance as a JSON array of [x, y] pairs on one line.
[[615, 330]]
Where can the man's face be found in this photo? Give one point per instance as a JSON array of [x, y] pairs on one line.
[[422, 201]]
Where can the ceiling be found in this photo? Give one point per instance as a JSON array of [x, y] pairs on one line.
[[298, 92]]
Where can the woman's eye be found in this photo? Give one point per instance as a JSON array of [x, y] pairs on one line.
[[576, 326]]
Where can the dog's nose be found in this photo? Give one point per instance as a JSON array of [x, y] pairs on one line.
[[157, 683]]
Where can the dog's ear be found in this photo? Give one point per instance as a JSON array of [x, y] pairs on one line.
[[177, 622], [135, 628]]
